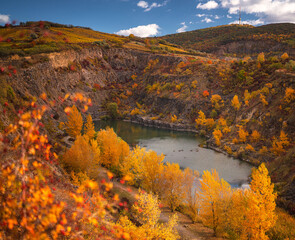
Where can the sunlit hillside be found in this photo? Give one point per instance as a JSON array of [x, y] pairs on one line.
[[44, 37]]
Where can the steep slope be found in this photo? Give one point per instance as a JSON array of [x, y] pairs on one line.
[[238, 39]]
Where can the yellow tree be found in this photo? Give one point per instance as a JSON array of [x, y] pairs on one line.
[[75, 122], [172, 185], [147, 213], [243, 134], [236, 103], [260, 57], [237, 214], [113, 149], [133, 165], [217, 134], [152, 170], [255, 136], [260, 213], [215, 198], [201, 120], [82, 156], [89, 129]]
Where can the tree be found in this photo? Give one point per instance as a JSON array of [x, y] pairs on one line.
[[255, 136], [236, 103], [285, 56], [153, 168], [217, 135], [215, 195], [172, 185], [260, 213], [147, 213], [242, 134], [217, 101], [75, 122], [260, 57], [113, 149], [133, 165], [89, 130], [82, 156]]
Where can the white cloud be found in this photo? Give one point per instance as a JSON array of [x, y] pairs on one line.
[[200, 15], [207, 20], [141, 31], [147, 7], [229, 16], [216, 17], [143, 4], [249, 22], [183, 28], [4, 18], [267, 10], [208, 5]]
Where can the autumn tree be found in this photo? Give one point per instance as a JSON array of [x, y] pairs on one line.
[[75, 122], [285, 56], [172, 185], [152, 170], [260, 213], [84, 155], [255, 136], [147, 213], [112, 148], [215, 195], [89, 129], [217, 101], [236, 103], [243, 134], [133, 165], [217, 134], [260, 57]]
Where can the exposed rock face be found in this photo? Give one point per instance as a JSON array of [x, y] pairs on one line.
[[78, 71]]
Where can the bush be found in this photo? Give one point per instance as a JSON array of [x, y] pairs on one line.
[[112, 109]]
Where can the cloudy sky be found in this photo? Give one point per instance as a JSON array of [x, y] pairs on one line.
[[148, 17]]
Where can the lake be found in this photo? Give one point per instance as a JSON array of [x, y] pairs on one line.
[[182, 148]]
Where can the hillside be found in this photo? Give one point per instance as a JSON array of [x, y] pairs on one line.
[[238, 39], [44, 37], [243, 107]]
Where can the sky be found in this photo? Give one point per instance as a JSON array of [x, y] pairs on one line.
[[149, 17]]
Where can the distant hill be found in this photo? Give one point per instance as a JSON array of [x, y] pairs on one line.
[[44, 37], [240, 39]]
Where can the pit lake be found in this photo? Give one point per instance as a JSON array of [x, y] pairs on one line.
[[182, 148]]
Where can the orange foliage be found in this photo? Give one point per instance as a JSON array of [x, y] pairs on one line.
[[113, 149], [206, 93]]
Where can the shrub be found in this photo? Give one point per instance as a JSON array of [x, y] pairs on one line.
[[112, 109]]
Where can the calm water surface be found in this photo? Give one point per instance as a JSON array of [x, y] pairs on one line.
[[181, 148]]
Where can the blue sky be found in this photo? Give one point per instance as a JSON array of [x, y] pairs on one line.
[[149, 17]]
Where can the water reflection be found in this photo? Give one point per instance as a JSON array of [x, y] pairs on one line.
[[181, 148]]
